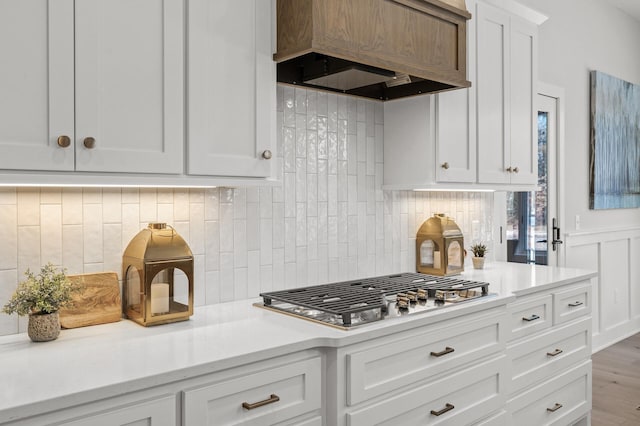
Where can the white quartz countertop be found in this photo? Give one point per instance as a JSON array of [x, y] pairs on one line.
[[91, 363]]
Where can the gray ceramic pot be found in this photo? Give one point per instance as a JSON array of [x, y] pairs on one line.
[[43, 327]]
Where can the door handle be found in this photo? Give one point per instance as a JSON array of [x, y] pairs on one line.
[[555, 234]]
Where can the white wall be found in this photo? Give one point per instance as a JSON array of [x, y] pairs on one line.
[[329, 219], [580, 36]]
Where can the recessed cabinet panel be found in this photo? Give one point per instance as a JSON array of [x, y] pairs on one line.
[[455, 136], [158, 412], [262, 398], [129, 85], [523, 127], [493, 112], [231, 93], [36, 84]]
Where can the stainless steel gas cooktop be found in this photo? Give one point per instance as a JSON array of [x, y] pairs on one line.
[[352, 303]]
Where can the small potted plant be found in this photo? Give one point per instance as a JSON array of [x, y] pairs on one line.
[[478, 251], [41, 296]]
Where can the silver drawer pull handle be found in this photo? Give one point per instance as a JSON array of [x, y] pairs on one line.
[[554, 408], [533, 317], [574, 304], [447, 407], [554, 353], [250, 406], [446, 350]]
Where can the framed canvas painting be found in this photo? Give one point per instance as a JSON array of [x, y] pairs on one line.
[[615, 143]]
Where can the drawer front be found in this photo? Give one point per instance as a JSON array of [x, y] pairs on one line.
[[560, 401], [530, 315], [499, 419], [396, 362], [461, 398], [571, 304], [550, 353], [285, 392]]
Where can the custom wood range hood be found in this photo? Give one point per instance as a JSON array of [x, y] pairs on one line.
[[381, 49]]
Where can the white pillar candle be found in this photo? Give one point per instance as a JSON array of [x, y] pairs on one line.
[[159, 298]]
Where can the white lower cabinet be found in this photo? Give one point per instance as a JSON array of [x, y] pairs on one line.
[[266, 397], [139, 410], [455, 399], [560, 401], [549, 355]]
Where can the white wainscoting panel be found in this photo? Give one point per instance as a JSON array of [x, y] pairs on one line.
[[615, 253]]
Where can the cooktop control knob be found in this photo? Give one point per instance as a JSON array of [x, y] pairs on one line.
[[421, 294]]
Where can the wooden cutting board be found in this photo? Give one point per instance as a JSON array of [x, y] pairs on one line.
[[98, 302]]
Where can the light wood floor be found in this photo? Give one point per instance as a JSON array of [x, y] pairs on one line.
[[616, 384]]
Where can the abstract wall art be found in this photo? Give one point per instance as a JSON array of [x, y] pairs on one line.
[[615, 143]]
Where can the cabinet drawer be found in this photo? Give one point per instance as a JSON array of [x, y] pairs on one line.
[[460, 398], [530, 315], [571, 304], [549, 353], [499, 419], [286, 391], [409, 357], [559, 401]]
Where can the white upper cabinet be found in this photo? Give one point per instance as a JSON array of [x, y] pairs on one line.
[[92, 86], [36, 85], [483, 137], [507, 77], [129, 86], [231, 88]]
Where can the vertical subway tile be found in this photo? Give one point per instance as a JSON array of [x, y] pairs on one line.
[[312, 110], [29, 249], [227, 281], [312, 194], [278, 269], [361, 141], [323, 138], [199, 284], [212, 245], [278, 225], [8, 283], [290, 239], [312, 152], [130, 222], [300, 100], [148, 205], [72, 206], [266, 241], [129, 195], [196, 228], [93, 195], [301, 267], [165, 214], [332, 153], [301, 141], [211, 203], [8, 196], [266, 202], [253, 226], [51, 228], [240, 203], [266, 278], [301, 224], [93, 233], [72, 249], [212, 287], [50, 195], [111, 205], [289, 194], [28, 206], [226, 227], [112, 257], [8, 236], [180, 205], [289, 107], [322, 104], [165, 195], [301, 180], [352, 154], [240, 243], [253, 273], [240, 283]]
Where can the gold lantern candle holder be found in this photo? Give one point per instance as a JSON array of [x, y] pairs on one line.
[[157, 276], [440, 247]]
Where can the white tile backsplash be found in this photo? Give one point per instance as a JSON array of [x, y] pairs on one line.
[[328, 220]]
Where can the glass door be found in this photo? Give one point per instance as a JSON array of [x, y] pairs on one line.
[[533, 234]]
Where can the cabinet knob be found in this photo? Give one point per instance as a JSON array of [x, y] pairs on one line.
[[89, 143], [64, 141], [266, 154], [509, 169], [445, 165], [516, 170]]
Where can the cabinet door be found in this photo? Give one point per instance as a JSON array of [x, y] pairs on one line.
[[493, 94], [456, 136], [36, 84], [130, 85], [523, 78], [231, 74]]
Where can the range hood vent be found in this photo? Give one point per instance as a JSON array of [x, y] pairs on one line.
[[380, 49]]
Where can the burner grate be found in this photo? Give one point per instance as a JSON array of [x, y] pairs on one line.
[[346, 298]]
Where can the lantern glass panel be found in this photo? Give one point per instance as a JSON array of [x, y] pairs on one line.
[[455, 257], [135, 290]]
